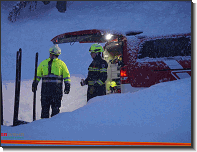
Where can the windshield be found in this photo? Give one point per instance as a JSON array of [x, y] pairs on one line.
[[168, 47]]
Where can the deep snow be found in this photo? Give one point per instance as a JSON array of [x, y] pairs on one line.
[[161, 113], [74, 100], [153, 114]]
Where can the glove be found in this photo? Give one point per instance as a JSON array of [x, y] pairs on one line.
[[67, 88], [34, 86], [82, 82]]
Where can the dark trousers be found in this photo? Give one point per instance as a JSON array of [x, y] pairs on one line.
[[50, 100], [94, 91]]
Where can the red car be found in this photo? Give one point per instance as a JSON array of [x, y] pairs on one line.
[[138, 62]]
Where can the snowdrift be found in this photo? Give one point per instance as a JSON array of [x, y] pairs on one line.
[[161, 113]]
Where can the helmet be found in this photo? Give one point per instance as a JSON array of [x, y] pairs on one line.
[[55, 50], [120, 57], [113, 84], [96, 48]]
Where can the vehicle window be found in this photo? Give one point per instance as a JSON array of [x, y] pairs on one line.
[[168, 47]]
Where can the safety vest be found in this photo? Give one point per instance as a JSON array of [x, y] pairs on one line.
[[55, 71]]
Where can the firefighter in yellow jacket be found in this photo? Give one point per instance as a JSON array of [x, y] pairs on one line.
[[53, 73], [97, 73], [113, 87]]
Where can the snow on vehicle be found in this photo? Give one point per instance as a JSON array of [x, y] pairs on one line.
[[147, 60]]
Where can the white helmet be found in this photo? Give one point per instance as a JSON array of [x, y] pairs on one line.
[[55, 50]]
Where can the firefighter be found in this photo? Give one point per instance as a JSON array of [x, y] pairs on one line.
[[113, 87], [53, 72], [97, 73], [118, 59], [120, 62]]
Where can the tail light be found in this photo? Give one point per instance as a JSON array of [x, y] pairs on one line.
[[124, 75]]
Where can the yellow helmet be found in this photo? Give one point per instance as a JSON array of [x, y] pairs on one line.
[[96, 48], [55, 50], [120, 57], [113, 84]]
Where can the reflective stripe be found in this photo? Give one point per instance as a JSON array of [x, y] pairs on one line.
[[66, 78], [56, 81], [93, 82], [90, 82], [67, 82], [97, 69], [39, 77], [52, 76], [103, 70], [94, 69], [100, 82], [52, 79]]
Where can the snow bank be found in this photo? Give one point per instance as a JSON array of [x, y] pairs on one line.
[[161, 113], [74, 100]]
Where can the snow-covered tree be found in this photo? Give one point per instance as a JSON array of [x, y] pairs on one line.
[[20, 5]]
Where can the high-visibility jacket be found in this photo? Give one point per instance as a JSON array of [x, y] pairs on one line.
[[53, 73]]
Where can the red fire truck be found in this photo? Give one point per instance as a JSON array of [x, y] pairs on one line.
[[146, 60]]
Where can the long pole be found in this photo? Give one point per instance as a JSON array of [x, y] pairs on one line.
[[17, 86], [34, 98], [1, 103]]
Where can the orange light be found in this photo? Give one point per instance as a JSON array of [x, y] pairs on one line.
[[123, 73]]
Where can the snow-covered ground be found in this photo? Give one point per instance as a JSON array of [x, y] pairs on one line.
[[161, 113], [74, 100]]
